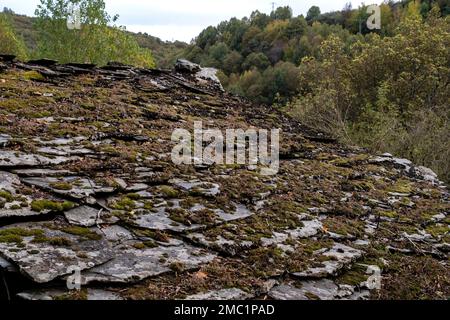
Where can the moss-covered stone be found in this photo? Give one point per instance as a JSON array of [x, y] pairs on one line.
[[168, 192], [61, 186], [50, 205], [16, 235], [82, 232]]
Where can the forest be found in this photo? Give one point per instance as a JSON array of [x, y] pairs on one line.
[[386, 89]]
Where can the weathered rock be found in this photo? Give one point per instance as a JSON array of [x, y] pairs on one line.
[[133, 264], [13, 202], [60, 294], [224, 294], [229, 247], [210, 74], [4, 140], [45, 251], [7, 266], [409, 168], [324, 289], [161, 219], [86, 216], [12, 159], [72, 186], [61, 141], [340, 256], [309, 229], [186, 66], [66, 151], [199, 187], [112, 160], [42, 173]]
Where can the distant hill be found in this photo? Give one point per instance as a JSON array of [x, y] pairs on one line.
[[164, 52]]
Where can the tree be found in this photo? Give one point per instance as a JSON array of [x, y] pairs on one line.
[[218, 51], [256, 60], [96, 42], [313, 14], [258, 19], [282, 13], [10, 42], [232, 62], [413, 10], [389, 94], [296, 27], [207, 37]]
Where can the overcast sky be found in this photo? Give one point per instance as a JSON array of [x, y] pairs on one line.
[[185, 19]]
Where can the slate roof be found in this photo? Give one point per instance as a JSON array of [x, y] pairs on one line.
[[86, 180]]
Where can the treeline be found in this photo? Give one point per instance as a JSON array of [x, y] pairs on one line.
[[259, 55], [98, 41], [390, 94], [387, 90]]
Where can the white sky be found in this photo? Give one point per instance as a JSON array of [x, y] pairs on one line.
[[185, 19]]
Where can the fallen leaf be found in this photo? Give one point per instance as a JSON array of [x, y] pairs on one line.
[[200, 275]]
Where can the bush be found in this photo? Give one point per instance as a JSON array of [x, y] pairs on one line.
[[10, 42], [96, 42], [389, 94]]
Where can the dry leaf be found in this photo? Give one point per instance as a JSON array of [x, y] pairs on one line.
[[200, 275]]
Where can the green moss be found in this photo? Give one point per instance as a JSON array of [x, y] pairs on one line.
[[179, 215], [44, 204], [61, 186], [188, 218], [33, 75], [355, 276], [37, 115], [139, 246], [155, 235], [148, 205], [169, 192], [14, 105], [58, 241], [11, 238], [82, 232], [348, 162], [389, 214], [437, 230], [16, 235], [358, 186], [145, 245], [74, 295], [133, 196], [6, 195], [402, 186], [125, 204]]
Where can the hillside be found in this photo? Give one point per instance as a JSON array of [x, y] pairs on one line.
[[386, 90], [260, 55], [165, 53], [87, 181]]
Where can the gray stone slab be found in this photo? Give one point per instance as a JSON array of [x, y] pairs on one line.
[[61, 294], [49, 252], [340, 256], [86, 216], [131, 264], [224, 294], [11, 159]]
